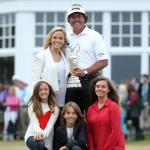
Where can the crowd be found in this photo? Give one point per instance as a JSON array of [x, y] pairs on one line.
[[14, 98], [135, 104], [70, 99]]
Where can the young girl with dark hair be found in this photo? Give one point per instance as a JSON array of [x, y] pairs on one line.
[[43, 112]]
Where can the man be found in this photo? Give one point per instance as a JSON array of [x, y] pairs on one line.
[[92, 55], [23, 91], [144, 96]]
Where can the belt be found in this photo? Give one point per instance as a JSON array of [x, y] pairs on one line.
[[89, 77]]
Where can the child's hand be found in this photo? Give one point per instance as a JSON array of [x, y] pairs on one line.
[[63, 148], [39, 137]]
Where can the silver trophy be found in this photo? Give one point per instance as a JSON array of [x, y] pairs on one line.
[[73, 81]]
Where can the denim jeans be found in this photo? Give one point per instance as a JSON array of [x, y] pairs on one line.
[[35, 145], [75, 147]]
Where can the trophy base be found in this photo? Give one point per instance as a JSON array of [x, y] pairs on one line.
[[73, 82]]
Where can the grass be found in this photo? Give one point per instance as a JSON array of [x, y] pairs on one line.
[[130, 145], [12, 145], [139, 145]]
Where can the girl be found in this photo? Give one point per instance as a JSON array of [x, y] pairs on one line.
[[104, 118], [43, 113], [73, 130]]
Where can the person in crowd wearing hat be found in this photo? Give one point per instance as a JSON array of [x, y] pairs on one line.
[[92, 55], [23, 91]]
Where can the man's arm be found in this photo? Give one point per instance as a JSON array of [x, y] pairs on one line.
[[99, 65]]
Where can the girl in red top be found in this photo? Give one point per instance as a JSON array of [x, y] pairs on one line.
[[103, 117], [43, 112]]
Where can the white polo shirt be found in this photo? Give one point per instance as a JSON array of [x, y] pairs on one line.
[[92, 47]]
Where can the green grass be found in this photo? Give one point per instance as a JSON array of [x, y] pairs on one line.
[[139, 145], [12, 145], [130, 145]]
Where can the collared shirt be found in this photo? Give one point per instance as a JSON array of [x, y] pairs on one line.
[[92, 47], [104, 127]]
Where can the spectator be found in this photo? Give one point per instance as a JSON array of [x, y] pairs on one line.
[[144, 96], [134, 110], [123, 95], [23, 91], [11, 114]]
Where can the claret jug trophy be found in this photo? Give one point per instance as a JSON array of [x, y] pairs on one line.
[[73, 81]]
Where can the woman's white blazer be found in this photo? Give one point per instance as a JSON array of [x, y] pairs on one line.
[[44, 68]]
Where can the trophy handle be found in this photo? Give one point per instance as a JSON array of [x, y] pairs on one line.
[[76, 48]]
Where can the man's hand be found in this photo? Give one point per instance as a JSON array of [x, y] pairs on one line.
[[78, 72]]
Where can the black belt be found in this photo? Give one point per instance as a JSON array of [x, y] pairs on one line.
[[89, 76]]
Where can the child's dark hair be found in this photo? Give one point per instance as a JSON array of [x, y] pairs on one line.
[[76, 109], [35, 99]]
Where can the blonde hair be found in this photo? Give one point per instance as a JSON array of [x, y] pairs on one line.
[[50, 34]]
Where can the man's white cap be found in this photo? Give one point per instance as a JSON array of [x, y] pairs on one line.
[[74, 9], [16, 77]]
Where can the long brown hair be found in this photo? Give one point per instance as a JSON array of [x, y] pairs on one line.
[[76, 109], [113, 95], [35, 99]]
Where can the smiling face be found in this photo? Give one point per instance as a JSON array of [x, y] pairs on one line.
[[70, 116], [77, 21], [44, 92], [101, 89], [57, 40]]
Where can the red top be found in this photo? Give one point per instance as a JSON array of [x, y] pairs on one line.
[[13, 102], [43, 119], [104, 127]]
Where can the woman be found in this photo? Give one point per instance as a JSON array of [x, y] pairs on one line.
[[51, 64], [123, 95], [104, 117]]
